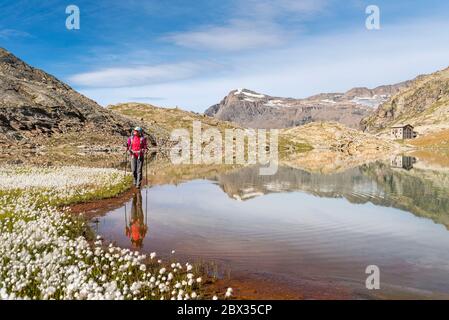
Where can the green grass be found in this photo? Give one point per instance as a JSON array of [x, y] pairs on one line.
[[79, 197], [288, 146], [98, 193]]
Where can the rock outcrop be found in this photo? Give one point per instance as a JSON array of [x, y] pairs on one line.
[[335, 148], [333, 136]]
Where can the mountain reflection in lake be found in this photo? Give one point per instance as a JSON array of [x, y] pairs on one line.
[[297, 226]]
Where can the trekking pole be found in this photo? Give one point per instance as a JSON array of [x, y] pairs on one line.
[[126, 218], [126, 162], [146, 170], [146, 189], [146, 206]]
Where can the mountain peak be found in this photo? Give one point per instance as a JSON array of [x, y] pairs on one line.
[[247, 93], [253, 109]]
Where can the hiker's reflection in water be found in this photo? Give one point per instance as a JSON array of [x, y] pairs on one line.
[[137, 228]]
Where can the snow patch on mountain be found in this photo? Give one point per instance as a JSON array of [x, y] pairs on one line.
[[275, 104], [328, 101], [249, 94], [372, 102]]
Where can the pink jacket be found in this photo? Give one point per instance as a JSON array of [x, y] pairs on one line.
[[143, 146]]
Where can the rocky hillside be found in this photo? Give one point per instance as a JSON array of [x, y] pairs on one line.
[[167, 119], [334, 147], [424, 104], [37, 109], [252, 109], [334, 136]]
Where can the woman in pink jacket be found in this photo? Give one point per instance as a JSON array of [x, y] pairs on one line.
[[137, 146]]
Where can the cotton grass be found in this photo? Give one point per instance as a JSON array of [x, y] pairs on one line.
[[44, 251]]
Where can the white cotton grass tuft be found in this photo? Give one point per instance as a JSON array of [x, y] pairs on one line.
[[44, 255], [228, 293]]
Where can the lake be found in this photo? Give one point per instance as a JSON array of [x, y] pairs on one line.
[[302, 230]]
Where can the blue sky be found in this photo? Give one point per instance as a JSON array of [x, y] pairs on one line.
[[192, 53]]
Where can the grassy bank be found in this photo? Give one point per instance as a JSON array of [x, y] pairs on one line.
[[437, 141]]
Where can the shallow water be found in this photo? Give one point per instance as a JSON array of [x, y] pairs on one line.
[[297, 226]]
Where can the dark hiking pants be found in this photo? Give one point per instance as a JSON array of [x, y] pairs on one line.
[[136, 168]]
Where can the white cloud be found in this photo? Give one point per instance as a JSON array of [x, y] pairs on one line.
[[328, 63], [12, 33], [137, 75], [303, 6], [254, 25], [267, 8], [236, 36]]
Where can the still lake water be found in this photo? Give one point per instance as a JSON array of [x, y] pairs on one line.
[[296, 227]]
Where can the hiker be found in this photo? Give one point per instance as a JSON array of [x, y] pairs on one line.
[[137, 147], [137, 229]]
